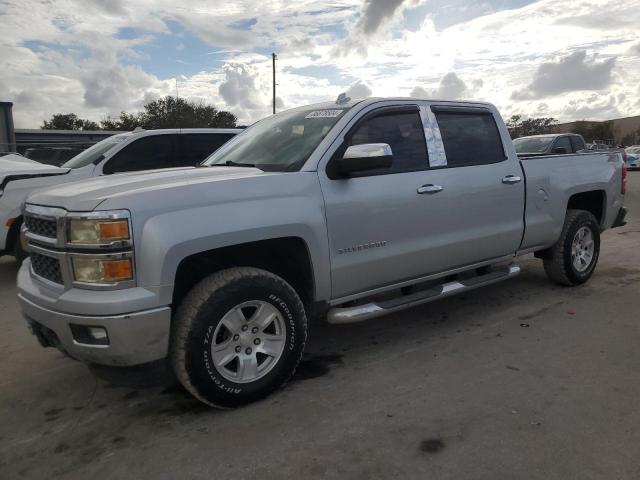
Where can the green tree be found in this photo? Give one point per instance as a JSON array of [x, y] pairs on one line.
[[531, 126], [126, 122], [68, 121], [172, 112]]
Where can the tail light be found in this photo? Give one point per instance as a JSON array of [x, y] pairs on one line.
[[623, 187]]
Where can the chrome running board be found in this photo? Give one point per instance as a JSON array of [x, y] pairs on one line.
[[367, 311]]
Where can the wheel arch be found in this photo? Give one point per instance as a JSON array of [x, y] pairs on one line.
[[593, 201], [288, 257]]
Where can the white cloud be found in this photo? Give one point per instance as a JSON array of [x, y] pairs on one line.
[[374, 12], [605, 106], [451, 87], [358, 90], [573, 72], [69, 55]]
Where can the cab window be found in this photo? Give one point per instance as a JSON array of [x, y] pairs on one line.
[[403, 132], [146, 153]]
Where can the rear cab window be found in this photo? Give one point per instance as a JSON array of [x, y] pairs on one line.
[[577, 143], [470, 136], [146, 153], [562, 142]]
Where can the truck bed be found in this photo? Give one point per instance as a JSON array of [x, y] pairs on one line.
[[552, 180]]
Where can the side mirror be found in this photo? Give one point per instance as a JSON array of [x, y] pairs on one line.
[[560, 150], [362, 158]]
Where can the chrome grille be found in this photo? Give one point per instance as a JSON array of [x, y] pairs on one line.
[[46, 267], [41, 226]]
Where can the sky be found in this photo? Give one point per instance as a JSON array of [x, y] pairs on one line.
[[568, 59]]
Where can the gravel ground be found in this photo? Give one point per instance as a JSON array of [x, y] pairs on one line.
[[522, 379]]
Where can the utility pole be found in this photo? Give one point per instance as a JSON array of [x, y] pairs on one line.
[[273, 61]]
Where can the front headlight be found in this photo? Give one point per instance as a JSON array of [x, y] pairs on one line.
[[97, 270], [97, 231]]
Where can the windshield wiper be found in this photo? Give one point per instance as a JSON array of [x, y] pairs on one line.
[[231, 163]]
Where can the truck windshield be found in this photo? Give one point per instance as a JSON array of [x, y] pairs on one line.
[[532, 144], [280, 143], [92, 153]]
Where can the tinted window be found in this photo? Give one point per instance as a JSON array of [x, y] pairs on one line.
[[562, 142], [146, 153], [195, 147], [470, 138], [578, 143], [404, 134]]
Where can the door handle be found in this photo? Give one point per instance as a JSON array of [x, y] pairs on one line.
[[510, 179], [430, 188]]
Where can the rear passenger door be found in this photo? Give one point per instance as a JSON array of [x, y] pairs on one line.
[[145, 153], [479, 211], [195, 147]]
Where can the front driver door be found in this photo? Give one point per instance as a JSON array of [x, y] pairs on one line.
[[376, 221]]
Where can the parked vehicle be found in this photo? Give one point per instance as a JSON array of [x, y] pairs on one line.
[[555, 144], [52, 155], [633, 157], [346, 210], [125, 152], [598, 146]]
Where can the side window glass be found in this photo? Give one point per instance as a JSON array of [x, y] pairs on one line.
[[146, 153], [470, 138], [578, 144], [403, 132], [195, 147], [563, 142]]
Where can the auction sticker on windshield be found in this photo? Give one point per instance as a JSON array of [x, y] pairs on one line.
[[324, 114]]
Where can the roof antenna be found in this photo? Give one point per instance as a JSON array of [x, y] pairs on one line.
[[342, 99]]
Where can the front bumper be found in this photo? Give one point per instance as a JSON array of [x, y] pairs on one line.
[[133, 338]]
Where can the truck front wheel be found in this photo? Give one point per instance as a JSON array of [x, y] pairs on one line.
[[572, 260], [238, 335]]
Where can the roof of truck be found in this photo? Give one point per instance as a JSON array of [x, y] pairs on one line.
[[353, 102], [550, 135]]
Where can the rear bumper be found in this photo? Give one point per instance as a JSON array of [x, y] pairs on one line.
[[620, 218], [133, 338]]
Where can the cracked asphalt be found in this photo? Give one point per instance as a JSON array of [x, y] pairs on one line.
[[522, 379]]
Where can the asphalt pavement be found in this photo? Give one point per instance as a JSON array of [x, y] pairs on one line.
[[519, 380]]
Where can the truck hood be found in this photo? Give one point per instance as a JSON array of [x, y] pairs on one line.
[[86, 195], [20, 167]]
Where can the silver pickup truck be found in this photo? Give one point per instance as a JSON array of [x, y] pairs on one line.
[[344, 211]]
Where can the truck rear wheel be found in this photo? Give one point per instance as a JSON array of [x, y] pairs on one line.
[[572, 260], [237, 336]]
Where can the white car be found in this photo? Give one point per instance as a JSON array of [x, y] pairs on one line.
[[124, 152], [633, 157]]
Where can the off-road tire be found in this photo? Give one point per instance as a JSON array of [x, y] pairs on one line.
[[557, 260], [201, 311]]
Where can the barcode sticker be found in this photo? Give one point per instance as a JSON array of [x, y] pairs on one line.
[[324, 114]]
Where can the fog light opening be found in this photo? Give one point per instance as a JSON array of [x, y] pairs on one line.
[[89, 335]]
